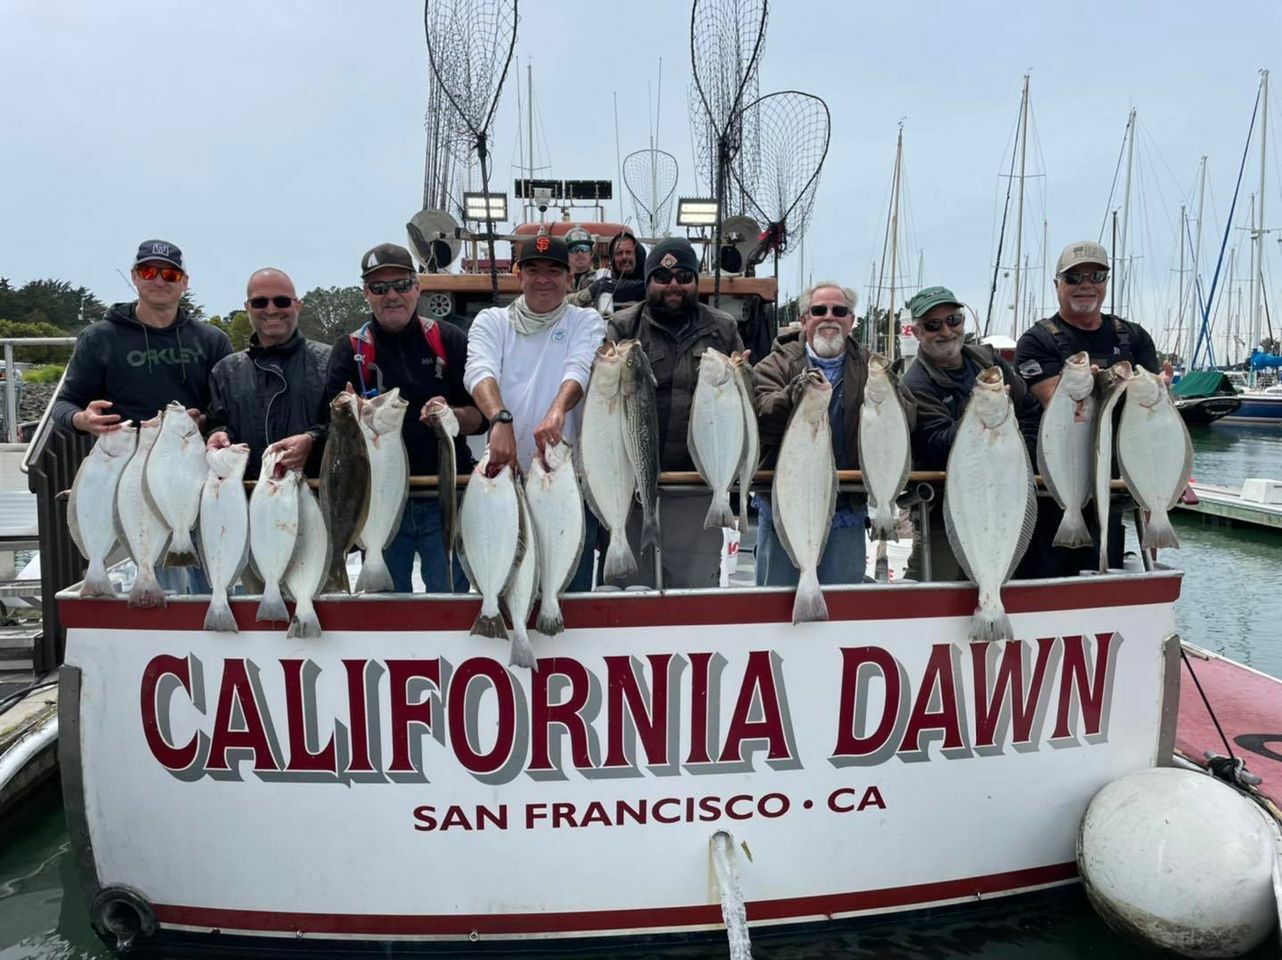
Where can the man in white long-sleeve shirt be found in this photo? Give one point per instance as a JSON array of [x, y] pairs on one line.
[[528, 364]]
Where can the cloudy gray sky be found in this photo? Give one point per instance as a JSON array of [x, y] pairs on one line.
[[291, 132]]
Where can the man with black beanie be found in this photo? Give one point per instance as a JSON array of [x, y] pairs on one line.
[[674, 329]]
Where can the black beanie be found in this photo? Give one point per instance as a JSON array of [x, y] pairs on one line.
[[672, 253]]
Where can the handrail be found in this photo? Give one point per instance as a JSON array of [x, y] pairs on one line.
[[38, 439]]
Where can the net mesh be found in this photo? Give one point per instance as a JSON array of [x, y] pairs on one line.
[[650, 177]]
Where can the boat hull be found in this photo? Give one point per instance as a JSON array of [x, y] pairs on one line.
[[1200, 411], [1257, 408], [394, 782]]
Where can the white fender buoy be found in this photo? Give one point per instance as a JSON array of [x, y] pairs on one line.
[[1179, 859]]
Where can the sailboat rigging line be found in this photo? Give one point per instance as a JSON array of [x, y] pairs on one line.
[[1001, 235], [1205, 332], [1113, 189]]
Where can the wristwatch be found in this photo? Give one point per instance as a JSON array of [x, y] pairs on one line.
[[503, 416]]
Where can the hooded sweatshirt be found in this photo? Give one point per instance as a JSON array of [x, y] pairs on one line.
[[140, 369]]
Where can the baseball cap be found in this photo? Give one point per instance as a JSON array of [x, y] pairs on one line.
[[578, 236], [928, 299], [386, 255], [671, 253], [161, 250], [544, 247], [1083, 251]]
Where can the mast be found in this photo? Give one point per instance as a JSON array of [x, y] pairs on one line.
[[1019, 218], [1179, 329], [529, 121], [1126, 209], [870, 328], [1112, 292], [618, 155], [1194, 306], [894, 243], [1257, 232], [1041, 302]]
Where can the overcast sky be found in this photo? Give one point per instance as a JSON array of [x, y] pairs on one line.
[[290, 133]]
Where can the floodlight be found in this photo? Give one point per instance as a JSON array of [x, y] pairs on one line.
[[692, 212], [485, 206]]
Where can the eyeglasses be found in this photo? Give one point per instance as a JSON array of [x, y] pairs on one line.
[[380, 287], [581, 248], [953, 320], [1074, 277], [168, 274], [822, 310], [663, 276], [280, 303]]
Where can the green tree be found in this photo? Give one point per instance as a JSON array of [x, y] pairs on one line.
[[188, 302], [50, 301], [221, 324], [50, 354], [240, 330], [328, 314]]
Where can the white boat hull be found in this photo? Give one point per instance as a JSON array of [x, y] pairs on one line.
[[396, 781]]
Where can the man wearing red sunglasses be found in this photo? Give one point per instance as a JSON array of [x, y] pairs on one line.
[[271, 395], [143, 355]]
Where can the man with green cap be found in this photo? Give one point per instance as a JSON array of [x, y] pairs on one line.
[[941, 379]]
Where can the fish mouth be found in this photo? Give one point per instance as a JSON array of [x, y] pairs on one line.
[[991, 378]]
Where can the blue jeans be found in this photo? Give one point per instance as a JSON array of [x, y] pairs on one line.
[[844, 559], [420, 534]]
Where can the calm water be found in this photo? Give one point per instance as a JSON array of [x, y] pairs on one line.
[[1231, 604]]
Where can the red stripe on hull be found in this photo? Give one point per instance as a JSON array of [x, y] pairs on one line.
[[598, 921], [598, 611]]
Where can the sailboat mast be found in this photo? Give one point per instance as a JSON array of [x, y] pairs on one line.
[[1041, 302], [894, 243], [1257, 233], [529, 126], [1195, 305], [870, 312], [1019, 217], [1179, 328], [1126, 209]]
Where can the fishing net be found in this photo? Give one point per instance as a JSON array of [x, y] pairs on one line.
[[650, 177]]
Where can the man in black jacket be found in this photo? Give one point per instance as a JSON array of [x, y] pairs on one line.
[[272, 394], [425, 358], [141, 356], [941, 379]]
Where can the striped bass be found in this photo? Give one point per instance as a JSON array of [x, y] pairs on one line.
[[224, 530], [637, 387], [91, 513], [885, 447], [1066, 448]]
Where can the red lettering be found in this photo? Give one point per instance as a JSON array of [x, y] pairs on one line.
[[665, 802], [939, 674], [783, 804], [733, 802], [237, 688], [296, 710], [849, 743], [623, 693], [1089, 693], [406, 714], [700, 668], [566, 714], [758, 682], [841, 792], [871, 798], [1008, 684], [596, 814], [358, 719], [455, 817], [482, 668], [171, 757], [563, 811], [424, 817], [535, 811]]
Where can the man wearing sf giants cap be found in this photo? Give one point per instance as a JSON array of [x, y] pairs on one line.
[[528, 365]]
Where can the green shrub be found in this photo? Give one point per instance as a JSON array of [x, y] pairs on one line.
[[49, 373]]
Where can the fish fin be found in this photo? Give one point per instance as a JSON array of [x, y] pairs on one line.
[[883, 522], [649, 527], [1030, 521], [1072, 531], [73, 520], [182, 552], [583, 539], [272, 606], [619, 560], [522, 652], [551, 622], [694, 449], [780, 534], [96, 582], [374, 576], [719, 512], [147, 592], [954, 543], [1158, 532], [304, 624], [494, 627], [1042, 471], [808, 605], [219, 616], [990, 624]]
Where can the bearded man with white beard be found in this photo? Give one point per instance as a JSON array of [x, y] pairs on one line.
[[824, 343], [941, 379]]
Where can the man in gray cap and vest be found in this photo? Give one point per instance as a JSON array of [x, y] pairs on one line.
[[674, 329]]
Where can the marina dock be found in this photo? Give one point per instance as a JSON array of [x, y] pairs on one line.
[[1257, 503]]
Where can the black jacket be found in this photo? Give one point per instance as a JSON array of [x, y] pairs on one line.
[[941, 400], [264, 394], [407, 361], [140, 369]]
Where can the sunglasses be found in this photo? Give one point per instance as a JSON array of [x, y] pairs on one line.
[[380, 287], [953, 320], [280, 303], [168, 274], [822, 310], [1074, 277], [664, 276], [581, 248]]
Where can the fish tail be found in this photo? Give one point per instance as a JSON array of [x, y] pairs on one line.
[[990, 622], [489, 625], [719, 512], [147, 592], [883, 524], [809, 604], [182, 552], [219, 617], [522, 652], [304, 623], [619, 561], [272, 607], [337, 581], [1158, 532], [550, 621], [96, 582], [374, 576], [1072, 530], [649, 527]]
